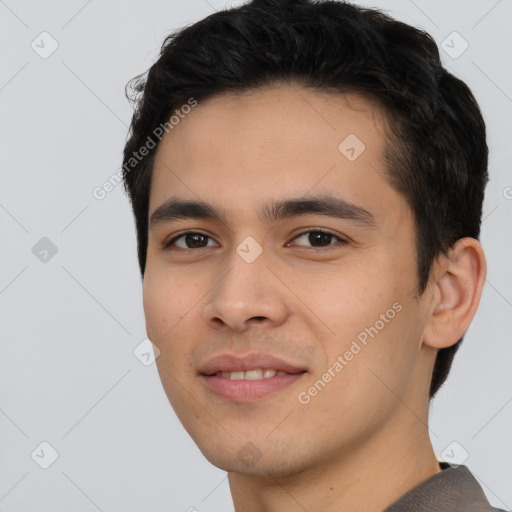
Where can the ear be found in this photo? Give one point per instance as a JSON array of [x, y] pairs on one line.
[[459, 278]]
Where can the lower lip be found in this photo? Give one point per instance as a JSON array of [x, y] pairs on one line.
[[247, 390]]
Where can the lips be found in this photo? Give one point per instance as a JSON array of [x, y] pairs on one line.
[[248, 378], [246, 363]]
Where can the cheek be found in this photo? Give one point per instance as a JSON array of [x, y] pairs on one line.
[[371, 322], [167, 302], [345, 301], [369, 376], [168, 314]]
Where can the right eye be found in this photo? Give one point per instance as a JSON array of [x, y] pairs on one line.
[[189, 240]]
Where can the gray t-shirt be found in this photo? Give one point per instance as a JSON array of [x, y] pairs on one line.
[[454, 489]]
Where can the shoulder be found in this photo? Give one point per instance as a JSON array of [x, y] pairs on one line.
[[453, 489]]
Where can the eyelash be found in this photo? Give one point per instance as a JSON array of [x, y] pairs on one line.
[[169, 244]]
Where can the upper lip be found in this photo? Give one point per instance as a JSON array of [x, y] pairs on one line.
[[247, 362]]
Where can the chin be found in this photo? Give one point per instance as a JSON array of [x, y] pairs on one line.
[[249, 460], [260, 469]]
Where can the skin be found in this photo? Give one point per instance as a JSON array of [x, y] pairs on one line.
[[362, 441]]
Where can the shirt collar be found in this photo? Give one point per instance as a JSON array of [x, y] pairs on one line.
[[453, 489]]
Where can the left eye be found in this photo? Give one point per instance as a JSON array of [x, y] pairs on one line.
[[319, 238]]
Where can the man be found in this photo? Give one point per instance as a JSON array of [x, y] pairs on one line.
[[307, 183]]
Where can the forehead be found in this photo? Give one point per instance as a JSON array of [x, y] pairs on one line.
[[284, 140]]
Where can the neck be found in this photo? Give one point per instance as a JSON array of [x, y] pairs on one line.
[[369, 477]]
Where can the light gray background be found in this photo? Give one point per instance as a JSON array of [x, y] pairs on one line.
[[69, 325]]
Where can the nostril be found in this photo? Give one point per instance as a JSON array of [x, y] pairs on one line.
[[258, 318]]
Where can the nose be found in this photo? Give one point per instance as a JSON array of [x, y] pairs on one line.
[[246, 294]]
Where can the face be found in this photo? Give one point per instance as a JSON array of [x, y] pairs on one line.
[[283, 304]]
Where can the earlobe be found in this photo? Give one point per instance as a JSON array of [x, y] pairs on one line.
[[457, 290]]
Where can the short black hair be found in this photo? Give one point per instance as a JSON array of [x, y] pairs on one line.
[[436, 153]]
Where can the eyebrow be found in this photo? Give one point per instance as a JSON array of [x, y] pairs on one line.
[[327, 205]]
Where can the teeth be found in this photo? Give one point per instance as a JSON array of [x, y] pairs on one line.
[[254, 374], [250, 374]]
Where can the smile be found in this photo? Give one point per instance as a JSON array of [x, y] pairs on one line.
[[250, 375]]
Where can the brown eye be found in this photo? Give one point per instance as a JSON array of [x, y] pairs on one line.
[[190, 240], [318, 238]]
